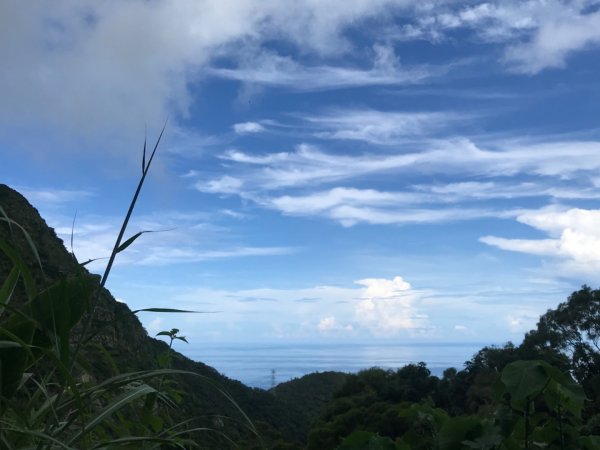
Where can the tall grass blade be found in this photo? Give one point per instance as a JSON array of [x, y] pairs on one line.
[[144, 154], [138, 440], [30, 242], [17, 261], [7, 426], [6, 218], [85, 263], [118, 403], [8, 287], [130, 212]]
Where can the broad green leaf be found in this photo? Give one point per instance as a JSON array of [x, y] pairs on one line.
[[524, 380], [455, 430]]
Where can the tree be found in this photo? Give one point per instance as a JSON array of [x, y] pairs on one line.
[[573, 330]]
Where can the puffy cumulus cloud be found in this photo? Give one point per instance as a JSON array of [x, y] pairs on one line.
[[389, 307], [574, 237]]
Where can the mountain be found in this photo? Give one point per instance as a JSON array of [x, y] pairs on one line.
[[283, 414]]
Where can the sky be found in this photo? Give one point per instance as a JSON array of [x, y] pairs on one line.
[[331, 171]]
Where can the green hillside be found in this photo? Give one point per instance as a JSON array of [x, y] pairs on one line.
[[126, 346]]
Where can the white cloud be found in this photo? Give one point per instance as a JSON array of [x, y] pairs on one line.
[[131, 63], [155, 326], [310, 165], [223, 185], [521, 320], [189, 238], [330, 324], [556, 38], [271, 69], [575, 237], [536, 34], [350, 206], [380, 127], [388, 307], [248, 128], [126, 64], [53, 196]]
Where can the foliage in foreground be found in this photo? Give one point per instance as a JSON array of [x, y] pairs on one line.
[[541, 394], [54, 391]]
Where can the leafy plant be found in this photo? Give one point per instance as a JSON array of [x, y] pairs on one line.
[[49, 397]]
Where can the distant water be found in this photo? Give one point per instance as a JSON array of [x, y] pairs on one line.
[[252, 364]]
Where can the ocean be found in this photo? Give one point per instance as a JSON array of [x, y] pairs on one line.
[[263, 365]]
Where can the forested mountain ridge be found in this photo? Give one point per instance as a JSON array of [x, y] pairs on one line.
[[128, 344]]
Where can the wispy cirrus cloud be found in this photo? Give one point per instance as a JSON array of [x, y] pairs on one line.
[[270, 69], [308, 164], [381, 127], [55, 197], [177, 238]]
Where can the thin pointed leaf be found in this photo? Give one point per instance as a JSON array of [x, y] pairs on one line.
[[118, 403], [38, 434], [163, 333], [144, 156], [9, 344], [137, 439], [6, 218], [72, 233], [9, 287], [182, 338], [83, 264], [156, 145], [171, 310], [30, 242], [130, 241]]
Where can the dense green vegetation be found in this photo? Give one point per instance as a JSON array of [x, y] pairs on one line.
[[540, 394], [77, 370]]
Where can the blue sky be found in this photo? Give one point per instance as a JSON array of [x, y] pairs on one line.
[[331, 170]]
